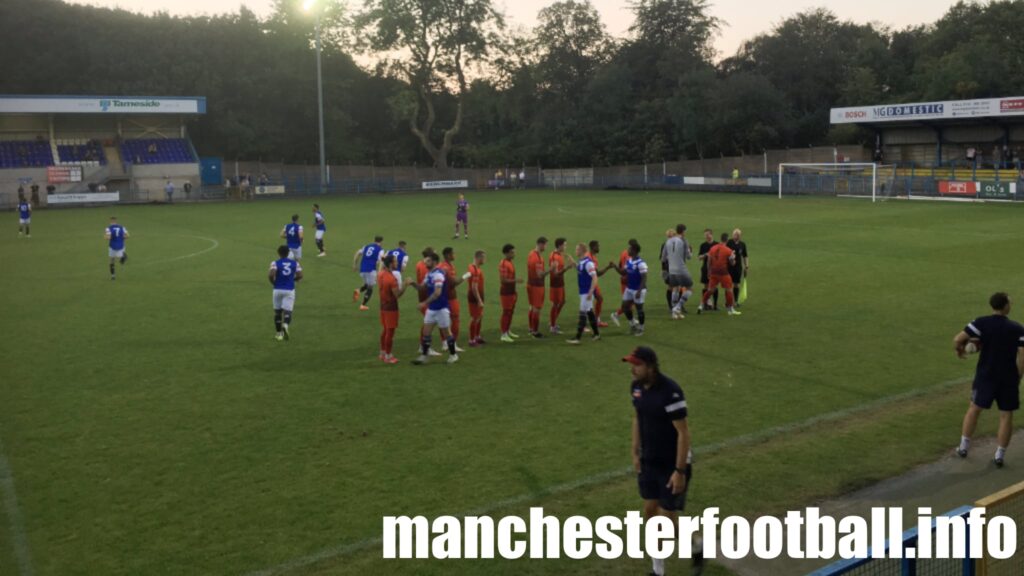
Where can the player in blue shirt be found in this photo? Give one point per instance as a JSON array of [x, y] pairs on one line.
[[293, 236], [401, 259], [367, 261], [436, 310], [284, 273], [586, 276], [115, 235], [24, 217], [321, 229], [998, 374], [635, 273]]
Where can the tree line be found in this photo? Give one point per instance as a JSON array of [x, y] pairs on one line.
[[449, 82]]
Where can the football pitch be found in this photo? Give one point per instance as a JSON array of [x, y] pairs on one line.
[[154, 426]]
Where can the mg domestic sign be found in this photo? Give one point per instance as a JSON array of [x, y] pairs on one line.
[[989, 108]]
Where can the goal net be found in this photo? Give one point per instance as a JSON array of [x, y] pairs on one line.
[[856, 180]]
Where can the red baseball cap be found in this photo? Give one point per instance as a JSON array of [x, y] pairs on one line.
[[641, 355]]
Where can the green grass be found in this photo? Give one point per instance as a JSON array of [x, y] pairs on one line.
[[154, 426]]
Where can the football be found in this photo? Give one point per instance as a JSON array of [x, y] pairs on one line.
[[972, 347]]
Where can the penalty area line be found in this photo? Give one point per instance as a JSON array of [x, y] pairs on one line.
[[612, 475], [16, 525]]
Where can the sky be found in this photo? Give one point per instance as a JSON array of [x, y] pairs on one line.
[[743, 19]]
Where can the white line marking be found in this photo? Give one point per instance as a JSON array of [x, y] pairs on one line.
[[603, 477], [214, 245], [15, 523]]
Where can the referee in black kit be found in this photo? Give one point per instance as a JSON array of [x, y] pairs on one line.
[[998, 375], [661, 441]]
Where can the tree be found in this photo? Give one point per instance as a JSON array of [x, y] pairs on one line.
[[434, 42]]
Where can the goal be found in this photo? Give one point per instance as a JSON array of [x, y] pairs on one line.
[[854, 179]]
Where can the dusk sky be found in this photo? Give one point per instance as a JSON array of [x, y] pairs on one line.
[[742, 19]]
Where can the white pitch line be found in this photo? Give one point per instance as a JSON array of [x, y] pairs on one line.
[[603, 477], [214, 245], [15, 523]]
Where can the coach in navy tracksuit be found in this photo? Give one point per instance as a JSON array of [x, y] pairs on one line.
[[661, 440], [997, 377]]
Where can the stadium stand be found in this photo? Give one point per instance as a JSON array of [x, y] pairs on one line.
[[156, 151], [25, 154], [79, 152]]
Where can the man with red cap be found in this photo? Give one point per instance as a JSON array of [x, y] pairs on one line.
[[661, 440]]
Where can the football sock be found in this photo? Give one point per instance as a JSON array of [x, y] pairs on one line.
[[593, 322], [28, 230], [1000, 452], [451, 345], [111, 268], [640, 316], [363, 288], [736, 293], [965, 443], [277, 320], [320, 245], [367, 294], [668, 297], [581, 324], [425, 344], [288, 317], [684, 297], [629, 314]]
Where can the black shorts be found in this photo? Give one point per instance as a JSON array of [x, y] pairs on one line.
[[737, 275], [1007, 397], [704, 276], [652, 482]]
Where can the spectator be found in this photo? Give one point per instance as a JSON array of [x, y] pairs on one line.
[[522, 179], [187, 187], [169, 189], [102, 188], [35, 195], [151, 149], [735, 173]]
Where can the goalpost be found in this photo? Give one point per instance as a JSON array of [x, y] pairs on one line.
[[848, 179]]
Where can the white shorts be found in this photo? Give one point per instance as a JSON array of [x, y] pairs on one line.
[[284, 300], [320, 234], [115, 253], [634, 295], [24, 220], [295, 253], [586, 304], [369, 278], [443, 318]]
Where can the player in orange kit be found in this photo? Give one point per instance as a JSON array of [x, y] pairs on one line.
[[390, 292], [556, 265], [448, 265], [536, 270], [507, 272], [719, 258], [475, 297]]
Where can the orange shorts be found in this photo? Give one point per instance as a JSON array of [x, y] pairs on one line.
[[558, 295], [508, 301], [389, 319], [724, 280], [476, 310], [536, 295]]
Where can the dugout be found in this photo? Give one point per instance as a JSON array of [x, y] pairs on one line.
[[97, 149], [932, 144]]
